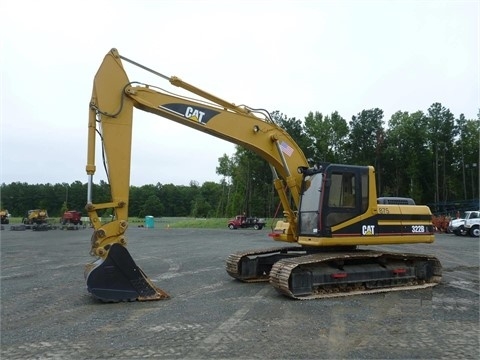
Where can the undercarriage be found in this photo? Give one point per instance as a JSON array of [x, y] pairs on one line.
[[299, 273]]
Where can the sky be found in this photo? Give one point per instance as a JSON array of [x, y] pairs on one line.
[[292, 56]]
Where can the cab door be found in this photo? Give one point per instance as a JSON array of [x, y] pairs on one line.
[[346, 195]]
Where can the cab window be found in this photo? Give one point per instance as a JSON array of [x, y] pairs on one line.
[[342, 198]]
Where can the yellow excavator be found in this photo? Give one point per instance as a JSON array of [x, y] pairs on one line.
[[37, 216], [4, 216], [330, 210]]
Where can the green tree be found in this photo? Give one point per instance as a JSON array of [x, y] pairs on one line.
[[139, 195], [212, 194], [327, 136], [467, 154], [337, 137], [226, 168], [365, 140], [441, 132], [295, 128], [316, 127], [201, 208], [251, 180], [406, 156], [152, 206], [63, 208]]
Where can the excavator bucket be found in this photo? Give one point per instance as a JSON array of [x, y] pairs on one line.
[[118, 278]]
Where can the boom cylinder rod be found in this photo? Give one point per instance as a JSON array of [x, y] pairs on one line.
[[89, 189], [274, 172], [189, 87], [144, 67], [90, 168]]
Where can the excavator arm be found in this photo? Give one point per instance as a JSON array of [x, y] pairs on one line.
[[114, 97]]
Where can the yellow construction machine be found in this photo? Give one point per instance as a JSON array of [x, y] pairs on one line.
[[331, 210], [4, 216], [36, 216]]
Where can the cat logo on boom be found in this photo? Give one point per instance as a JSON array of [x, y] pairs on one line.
[[194, 114], [197, 114]]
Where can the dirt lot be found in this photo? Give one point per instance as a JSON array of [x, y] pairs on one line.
[[46, 312]]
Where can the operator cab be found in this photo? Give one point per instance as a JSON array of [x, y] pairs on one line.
[[332, 194]]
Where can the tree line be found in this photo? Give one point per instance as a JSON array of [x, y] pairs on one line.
[[432, 157]]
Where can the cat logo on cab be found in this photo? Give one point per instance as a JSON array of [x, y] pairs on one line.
[[368, 230]]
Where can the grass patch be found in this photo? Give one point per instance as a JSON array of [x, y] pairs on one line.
[[201, 223], [184, 222]]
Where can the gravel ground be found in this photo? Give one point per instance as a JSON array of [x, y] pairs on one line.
[[47, 313]]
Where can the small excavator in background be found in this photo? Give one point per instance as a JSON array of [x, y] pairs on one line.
[[4, 217], [332, 212], [37, 219]]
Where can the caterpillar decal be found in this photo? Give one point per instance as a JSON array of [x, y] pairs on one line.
[[197, 114]]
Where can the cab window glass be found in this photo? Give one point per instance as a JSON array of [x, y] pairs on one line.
[[342, 190], [341, 198]]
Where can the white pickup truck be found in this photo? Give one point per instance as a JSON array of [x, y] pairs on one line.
[[472, 223], [455, 226]]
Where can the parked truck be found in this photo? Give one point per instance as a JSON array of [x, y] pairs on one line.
[[242, 221], [472, 223], [71, 219]]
